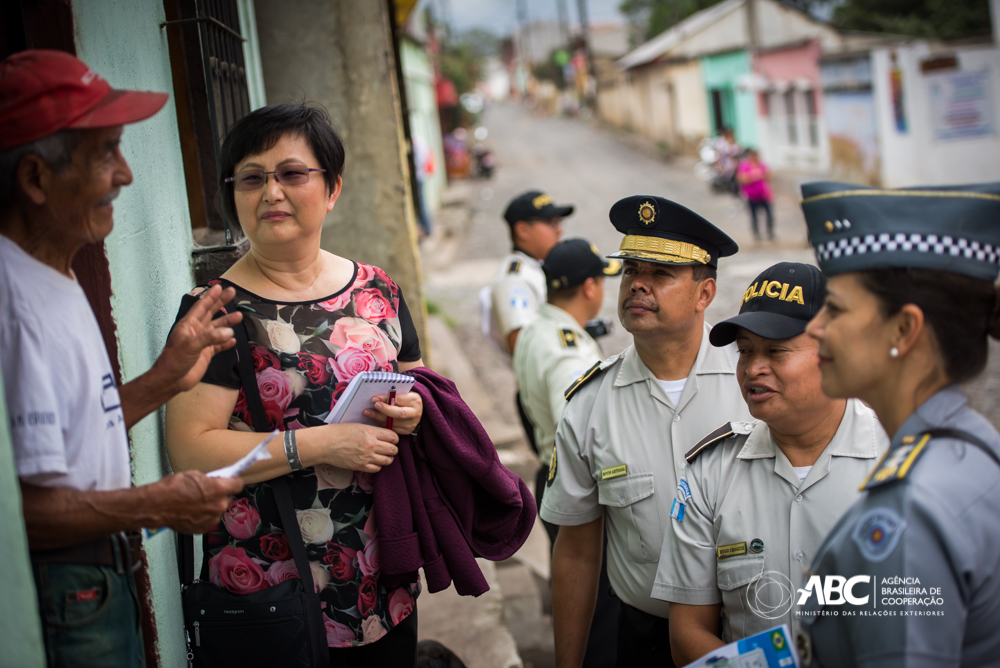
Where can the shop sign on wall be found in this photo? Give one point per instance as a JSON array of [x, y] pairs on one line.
[[961, 104]]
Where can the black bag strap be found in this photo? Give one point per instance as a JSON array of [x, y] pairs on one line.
[[282, 493], [962, 435]]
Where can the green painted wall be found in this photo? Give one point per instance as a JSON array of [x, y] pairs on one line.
[[723, 72], [149, 251], [20, 625], [418, 73]]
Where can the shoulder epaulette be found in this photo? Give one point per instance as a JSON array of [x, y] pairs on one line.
[[587, 376], [716, 437], [515, 266], [567, 337], [897, 462]]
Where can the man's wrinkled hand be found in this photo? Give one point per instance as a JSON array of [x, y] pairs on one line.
[[196, 338], [192, 502]]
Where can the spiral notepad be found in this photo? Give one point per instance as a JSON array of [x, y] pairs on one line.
[[359, 392]]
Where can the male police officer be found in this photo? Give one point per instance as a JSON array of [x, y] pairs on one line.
[[620, 445], [518, 289], [757, 498], [553, 351]]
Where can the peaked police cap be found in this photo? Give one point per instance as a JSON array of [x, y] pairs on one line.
[[947, 228], [658, 230]]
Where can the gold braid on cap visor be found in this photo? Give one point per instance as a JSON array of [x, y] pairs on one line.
[[656, 249]]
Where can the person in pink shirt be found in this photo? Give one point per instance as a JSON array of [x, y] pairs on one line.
[[753, 177]]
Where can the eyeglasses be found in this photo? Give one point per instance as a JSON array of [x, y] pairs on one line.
[[289, 175]]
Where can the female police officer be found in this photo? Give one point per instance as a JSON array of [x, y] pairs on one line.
[[909, 576]]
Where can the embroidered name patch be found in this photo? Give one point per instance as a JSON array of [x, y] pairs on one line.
[[732, 550], [614, 472], [877, 533]]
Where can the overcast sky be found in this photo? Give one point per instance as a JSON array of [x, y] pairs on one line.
[[500, 16]]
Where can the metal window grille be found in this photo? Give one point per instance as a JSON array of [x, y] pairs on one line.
[[212, 51]]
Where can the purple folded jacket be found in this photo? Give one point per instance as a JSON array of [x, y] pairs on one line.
[[446, 498]]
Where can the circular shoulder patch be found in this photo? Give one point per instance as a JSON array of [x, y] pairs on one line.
[[877, 533]]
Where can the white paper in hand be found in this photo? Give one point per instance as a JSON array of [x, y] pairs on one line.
[[245, 462]]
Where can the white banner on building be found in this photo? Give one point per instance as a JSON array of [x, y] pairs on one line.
[[961, 104]]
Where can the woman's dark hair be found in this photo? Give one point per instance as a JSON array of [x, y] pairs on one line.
[[260, 130], [961, 311]]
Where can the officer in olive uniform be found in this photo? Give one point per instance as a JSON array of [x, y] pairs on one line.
[[555, 348], [620, 446], [910, 576], [758, 498], [518, 289], [553, 351]]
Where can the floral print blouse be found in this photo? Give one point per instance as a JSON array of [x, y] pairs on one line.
[[304, 355]]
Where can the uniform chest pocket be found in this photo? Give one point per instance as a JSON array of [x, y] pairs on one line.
[[747, 605], [631, 503]]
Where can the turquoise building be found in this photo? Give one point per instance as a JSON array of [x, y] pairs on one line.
[[728, 104]]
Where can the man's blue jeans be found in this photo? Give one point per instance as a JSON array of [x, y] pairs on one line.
[[90, 615]]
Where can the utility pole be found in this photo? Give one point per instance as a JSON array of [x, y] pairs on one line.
[[525, 40], [581, 6], [563, 19]]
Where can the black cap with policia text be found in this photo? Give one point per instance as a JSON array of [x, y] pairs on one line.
[[778, 304], [573, 261], [534, 205], [658, 230], [947, 228]]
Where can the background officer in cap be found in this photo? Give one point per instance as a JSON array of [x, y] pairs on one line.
[[757, 498], [60, 170], [518, 289], [553, 351], [621, 442], [910, 305]]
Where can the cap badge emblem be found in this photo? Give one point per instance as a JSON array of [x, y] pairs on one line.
[[647, 214], [541, 201]]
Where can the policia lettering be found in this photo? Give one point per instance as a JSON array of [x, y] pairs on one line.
[[774, 290]]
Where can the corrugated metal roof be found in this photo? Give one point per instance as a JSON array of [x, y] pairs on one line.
[[667, 40]]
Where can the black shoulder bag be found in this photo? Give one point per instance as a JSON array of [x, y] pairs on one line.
[[281, 625]]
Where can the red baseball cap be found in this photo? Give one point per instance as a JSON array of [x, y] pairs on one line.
[[44, 91]]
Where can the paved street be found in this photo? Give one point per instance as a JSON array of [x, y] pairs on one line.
[[581, 163]]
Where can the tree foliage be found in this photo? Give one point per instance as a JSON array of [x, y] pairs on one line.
[[943, 19]]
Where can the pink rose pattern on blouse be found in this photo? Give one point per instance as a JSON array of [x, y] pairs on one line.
[[304, 355]]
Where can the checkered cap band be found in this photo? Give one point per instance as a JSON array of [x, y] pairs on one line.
[[900, 242]]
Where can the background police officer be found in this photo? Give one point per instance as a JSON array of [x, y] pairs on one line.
[[910, 305], [518, 289], [621, 442], [758, 498], [553, 351]]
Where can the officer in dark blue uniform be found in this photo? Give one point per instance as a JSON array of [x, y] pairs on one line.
[[910, 576]]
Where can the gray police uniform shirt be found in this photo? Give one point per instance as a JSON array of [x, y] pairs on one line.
[[745, 527], [518, 291], [927, 529], [552, 351], [620, 451]]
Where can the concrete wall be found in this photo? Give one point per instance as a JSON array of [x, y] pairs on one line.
[[149, 251], [926, 152], [20, 629], [338, 53], [418, 72], [690, 102]]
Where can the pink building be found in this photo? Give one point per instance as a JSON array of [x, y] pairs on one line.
[[790, 97]]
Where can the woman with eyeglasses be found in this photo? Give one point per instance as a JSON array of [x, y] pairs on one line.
[[314, 320], [909, 575]]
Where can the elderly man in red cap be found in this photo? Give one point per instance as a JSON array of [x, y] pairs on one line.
[[60, 171]]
